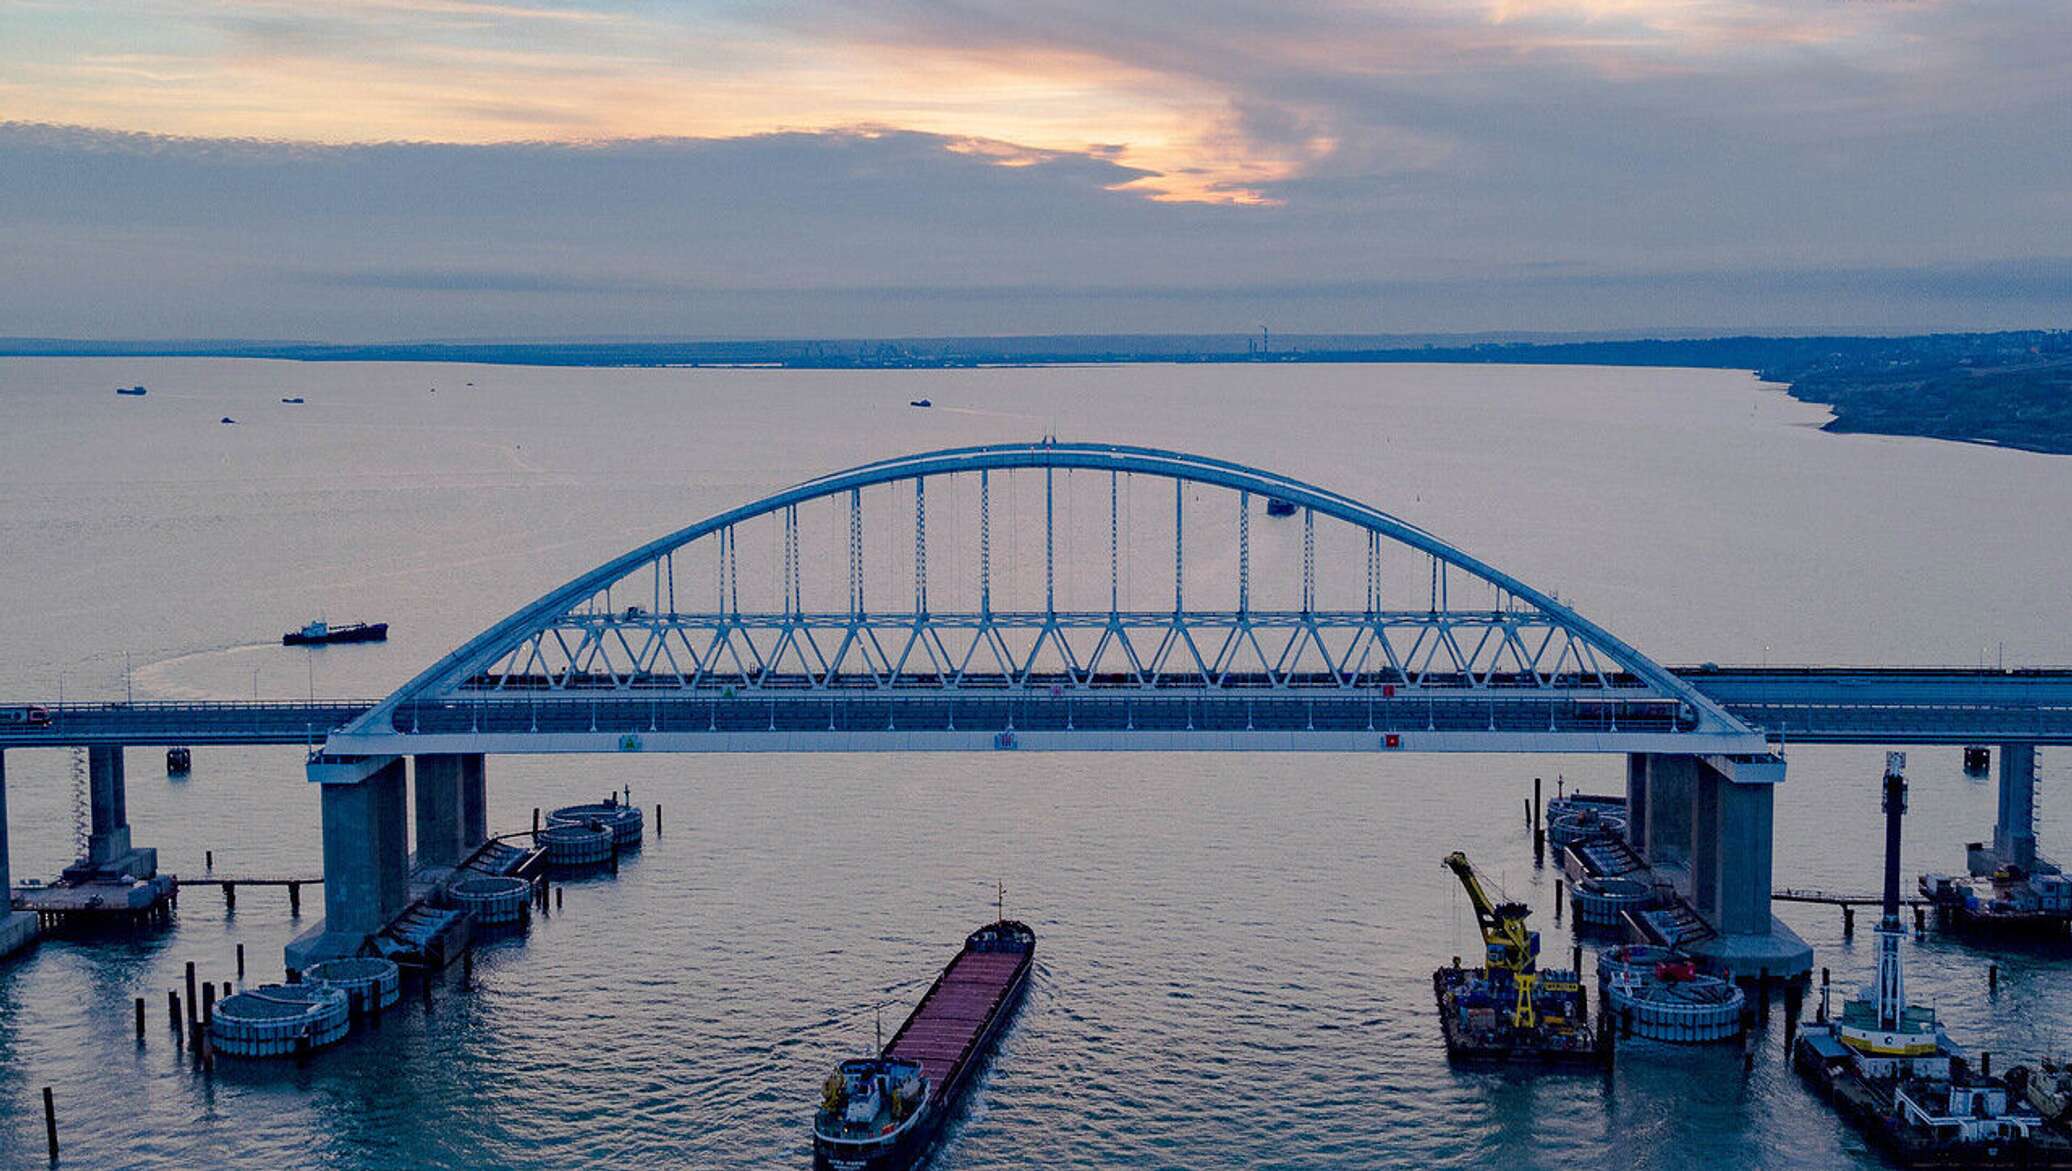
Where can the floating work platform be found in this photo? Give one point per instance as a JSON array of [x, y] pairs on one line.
[[2008, 901], [1472, 1012]]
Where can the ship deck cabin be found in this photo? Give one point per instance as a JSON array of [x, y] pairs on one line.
[[869, 1099], [1966, 1108]]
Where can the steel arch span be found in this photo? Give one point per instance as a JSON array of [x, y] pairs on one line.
[[1024, 625]]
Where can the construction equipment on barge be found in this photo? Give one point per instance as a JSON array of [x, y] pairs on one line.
[[1891, 1069], [2006, 900], [1510, 1010], [886, 1113]]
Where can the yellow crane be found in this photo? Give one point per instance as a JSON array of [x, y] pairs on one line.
[[1511, 948]]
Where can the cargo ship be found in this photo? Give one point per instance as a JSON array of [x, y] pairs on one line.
[[320, 633], [886, 1113]]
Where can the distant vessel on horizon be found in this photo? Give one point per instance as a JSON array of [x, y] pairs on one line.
[[319, 633], [132, 391]]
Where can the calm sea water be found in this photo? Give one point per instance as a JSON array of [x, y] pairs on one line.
[[1235, 950]]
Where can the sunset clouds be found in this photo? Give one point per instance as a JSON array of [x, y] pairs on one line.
[[1198, 147], [1220, 99]]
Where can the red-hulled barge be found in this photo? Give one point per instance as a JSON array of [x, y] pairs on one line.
[[886, 1113]]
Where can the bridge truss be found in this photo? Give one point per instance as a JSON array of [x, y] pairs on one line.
[[1067, 586]]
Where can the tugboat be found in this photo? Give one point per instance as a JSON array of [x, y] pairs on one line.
[[1890, 1069], [1510, 1010], [320, 633], [886, 1113]]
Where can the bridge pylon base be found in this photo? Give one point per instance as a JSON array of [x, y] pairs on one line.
[[1779, 952], [366, 857]]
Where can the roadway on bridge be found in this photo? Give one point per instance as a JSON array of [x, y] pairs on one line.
[[1791, 705]]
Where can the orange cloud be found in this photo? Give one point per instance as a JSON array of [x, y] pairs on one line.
[[1177, 103]]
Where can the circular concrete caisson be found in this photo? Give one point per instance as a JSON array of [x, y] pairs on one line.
[[578, 845], [374, 983], [624, 821], [493, 901], [275, 1020]]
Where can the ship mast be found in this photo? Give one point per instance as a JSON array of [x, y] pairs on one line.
[[1891, 981]]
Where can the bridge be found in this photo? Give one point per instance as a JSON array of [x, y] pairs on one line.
[[1787, 705], [1058, 597]]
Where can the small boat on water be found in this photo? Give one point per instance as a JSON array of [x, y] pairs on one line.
[[293, 402], [886, 1113], [919, 402], [132, 391], [321, 633]]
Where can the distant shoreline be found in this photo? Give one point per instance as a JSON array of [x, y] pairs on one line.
[[2011, 389]]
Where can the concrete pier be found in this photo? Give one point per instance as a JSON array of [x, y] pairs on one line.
[[2014, 831], [1666, 797], [110, 856], [452, 818], [1705, 825], [1637, 801], [366, 856], [17, 928]]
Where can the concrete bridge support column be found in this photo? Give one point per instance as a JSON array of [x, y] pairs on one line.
[[16, 927], [109, 853], [2014, 833], [110, 804], [1668, 808], [1708, 860], [452, 819], [6, 875], [366, 856], [1746, 826], [1732, 803], [1637, 801]]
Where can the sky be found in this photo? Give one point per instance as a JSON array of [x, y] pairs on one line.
[[403, 169]]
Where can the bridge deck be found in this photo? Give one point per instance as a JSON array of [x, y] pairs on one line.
[[1791, 705]]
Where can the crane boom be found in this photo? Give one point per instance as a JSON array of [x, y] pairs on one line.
[[1511, 948]]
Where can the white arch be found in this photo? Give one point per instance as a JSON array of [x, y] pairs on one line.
[[477, 653]]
